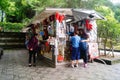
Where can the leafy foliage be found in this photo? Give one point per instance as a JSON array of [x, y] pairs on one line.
[[108, 28], [11, 27], [24, 10]]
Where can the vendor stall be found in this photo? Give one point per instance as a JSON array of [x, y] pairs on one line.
[[55, 28]]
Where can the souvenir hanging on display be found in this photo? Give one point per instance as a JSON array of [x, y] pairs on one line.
[[57, 16], [50, 31], [75, 27], [60, 25], [41, 33], [68, 29], [61, 30], [60, 56], [45, 22], [71, 29], [52, 18], [61, 18], [88, 25], [56, 47]]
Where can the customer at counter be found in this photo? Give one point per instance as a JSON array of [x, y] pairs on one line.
[[75, 41], [84, 46]]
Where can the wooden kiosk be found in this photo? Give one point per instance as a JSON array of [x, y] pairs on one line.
[[55, 27]]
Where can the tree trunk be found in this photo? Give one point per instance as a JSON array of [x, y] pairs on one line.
[[105, 42], [112, 49], [98, 40]]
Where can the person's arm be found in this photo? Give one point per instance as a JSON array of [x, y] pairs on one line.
[[86, 40]]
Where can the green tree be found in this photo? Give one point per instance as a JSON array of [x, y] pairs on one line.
[[117, 12], [4, 4], [108, 30], [22, 8]]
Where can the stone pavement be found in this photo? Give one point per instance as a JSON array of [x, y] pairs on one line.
[[14, 66]]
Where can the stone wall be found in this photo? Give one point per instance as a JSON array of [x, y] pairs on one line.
[[11, 40]]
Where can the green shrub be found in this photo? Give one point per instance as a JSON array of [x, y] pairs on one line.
[[11, 27]]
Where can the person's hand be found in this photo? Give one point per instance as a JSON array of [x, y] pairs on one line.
[[82, 40]]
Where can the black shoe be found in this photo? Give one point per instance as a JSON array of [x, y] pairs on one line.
[[34, 65], [76, 65], [29, 65]]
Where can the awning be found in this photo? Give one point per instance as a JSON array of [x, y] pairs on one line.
[[25, 29], [49, 11], [80, 14], [76, 14]]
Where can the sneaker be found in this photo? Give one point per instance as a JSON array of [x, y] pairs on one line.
[[34, 65], [72, 66], [85, 65]]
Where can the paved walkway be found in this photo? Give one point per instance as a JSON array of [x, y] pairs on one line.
[[13, 66]]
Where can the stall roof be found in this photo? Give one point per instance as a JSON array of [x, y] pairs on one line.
[[78, 14], [49, 11]]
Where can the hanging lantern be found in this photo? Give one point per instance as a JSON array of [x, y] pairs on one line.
[[61, 18], [57, 16], [88, 25]]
